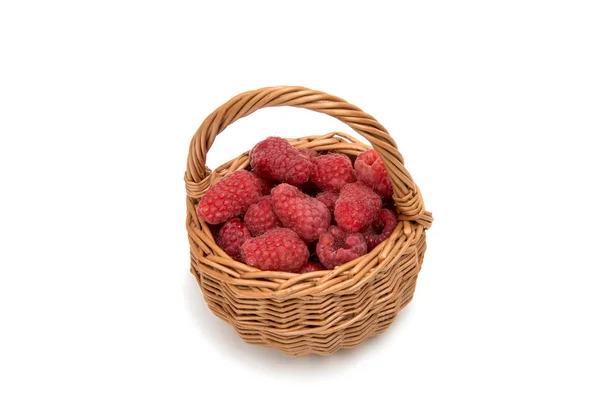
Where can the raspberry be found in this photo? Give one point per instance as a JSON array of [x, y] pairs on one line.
[[332, 171], [310, 153], [311, 266], [381, 229], [336, 247], [278, 250], [305, 215], [275, 159], [261, 217], [229, 197], [356, 207], [328, 199], [231, 237], [370, 170]]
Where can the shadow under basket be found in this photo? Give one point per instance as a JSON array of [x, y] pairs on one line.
[[317, 312]]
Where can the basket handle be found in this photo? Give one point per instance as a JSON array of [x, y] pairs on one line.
[[407, 196]]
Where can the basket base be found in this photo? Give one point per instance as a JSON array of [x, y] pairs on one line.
[[318, 324]]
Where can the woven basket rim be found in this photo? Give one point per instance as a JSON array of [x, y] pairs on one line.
[[281, 285]]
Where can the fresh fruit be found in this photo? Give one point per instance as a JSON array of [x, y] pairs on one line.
[[381, 228], [336, 247], [261, 217], [308, 217], [275, 159], [325, 209], [371, 171], [310, 153], [357, 207], [311, 266], [279, 249], [229, 197], [332, 171], [328, 199], [231, 237]]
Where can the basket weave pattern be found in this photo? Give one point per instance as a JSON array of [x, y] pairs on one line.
[[322, 311]]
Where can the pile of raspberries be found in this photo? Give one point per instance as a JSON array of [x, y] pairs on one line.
[[300, 211]]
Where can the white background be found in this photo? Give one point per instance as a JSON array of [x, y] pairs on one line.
[[494, 105]]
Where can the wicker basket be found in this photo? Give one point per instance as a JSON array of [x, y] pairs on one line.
[[323, 311]]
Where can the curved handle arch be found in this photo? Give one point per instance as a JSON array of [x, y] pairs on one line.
[[407, 196]]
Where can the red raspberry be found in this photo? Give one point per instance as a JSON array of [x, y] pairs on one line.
[[336, 247], [332, 171], [231, 237], [278, 250], [305, 215], [381, 229], [311, 266], [229, 197], [310, 153], [275, 159], [370, 170], [328, 199], [261, 217], [356, 207]]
